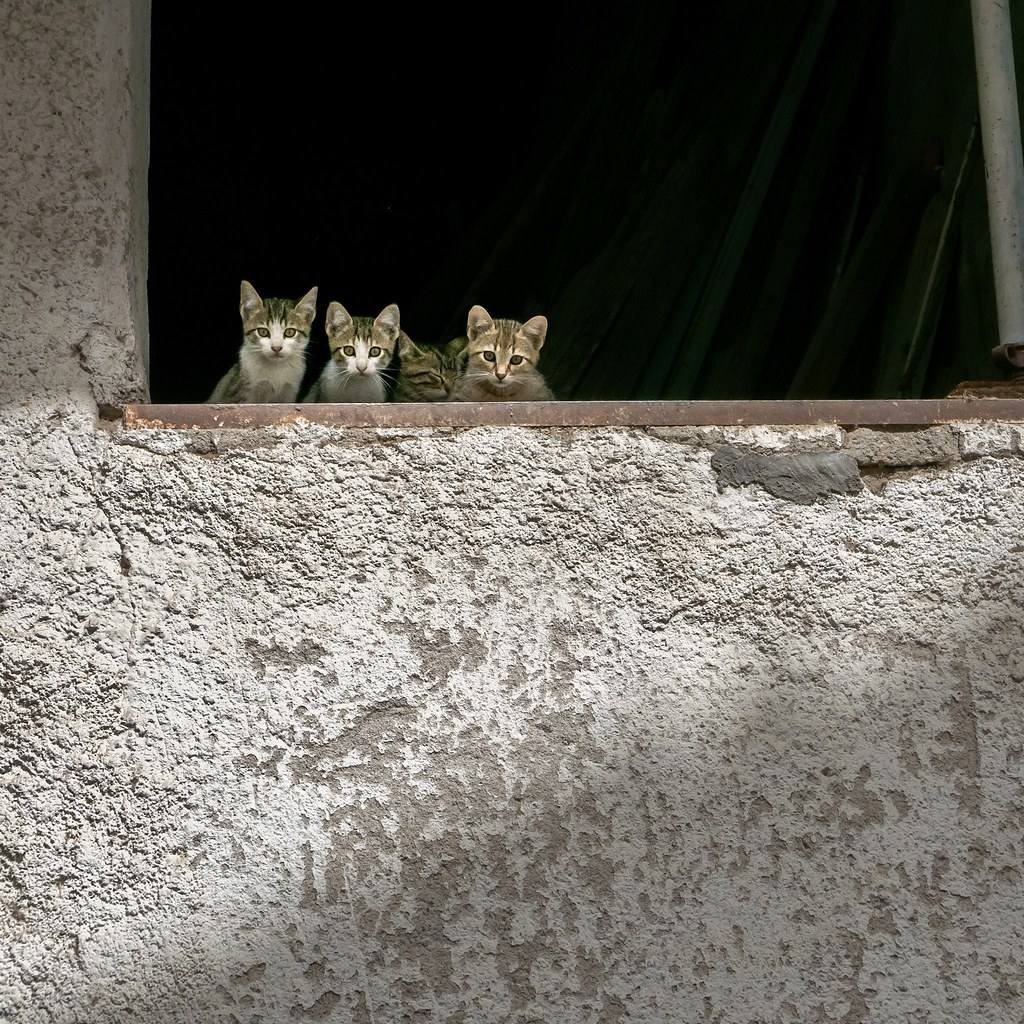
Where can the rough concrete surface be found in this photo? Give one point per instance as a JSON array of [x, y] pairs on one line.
[[481, 726], [502, 725]]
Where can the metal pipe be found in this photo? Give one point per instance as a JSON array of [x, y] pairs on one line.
[[1004, 166]]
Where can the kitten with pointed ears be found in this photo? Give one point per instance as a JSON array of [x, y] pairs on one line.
[[362, 352], [426, 373], [271, 361], [499, 361]]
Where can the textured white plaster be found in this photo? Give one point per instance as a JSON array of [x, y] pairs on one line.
[[936, 445], [72, 242], [809, 438], [342, 724], [989, 439]]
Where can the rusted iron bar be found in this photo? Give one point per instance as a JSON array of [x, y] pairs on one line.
[[846, 413]]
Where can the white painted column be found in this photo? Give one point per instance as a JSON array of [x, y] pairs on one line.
[[1004, 166]]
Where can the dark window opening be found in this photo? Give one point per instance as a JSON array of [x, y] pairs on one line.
[[717, 201]]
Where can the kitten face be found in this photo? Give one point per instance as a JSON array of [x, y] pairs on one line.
[[361, 346], [427, 374], [501, 355], [275, 329]]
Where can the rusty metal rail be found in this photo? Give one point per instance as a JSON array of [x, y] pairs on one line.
[[880, 413]]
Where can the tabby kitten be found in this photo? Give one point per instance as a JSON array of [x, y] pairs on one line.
[[426, 373], [499, 361], [362, 351], [272, 359]]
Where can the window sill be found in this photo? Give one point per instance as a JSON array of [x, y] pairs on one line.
[[845, 413]]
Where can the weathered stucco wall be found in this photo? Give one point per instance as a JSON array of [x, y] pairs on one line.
[[72, 242], [480, 725]]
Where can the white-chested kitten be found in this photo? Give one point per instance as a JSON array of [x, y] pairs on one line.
[[499, 360], [362, 351], [272, 359]]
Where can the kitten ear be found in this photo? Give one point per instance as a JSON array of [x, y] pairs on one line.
[[407, 348], [250, 302], [337, 319], [535, 330], [305, 308], [479, 322], [388, 321]]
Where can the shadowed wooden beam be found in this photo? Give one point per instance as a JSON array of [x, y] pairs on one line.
[[912, 331], [746, 334], [682, 379], [839, 329], [622, 310]]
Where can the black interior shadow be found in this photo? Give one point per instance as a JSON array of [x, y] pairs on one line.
[[595, 166]]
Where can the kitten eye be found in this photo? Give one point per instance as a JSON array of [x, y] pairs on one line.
[[489, 356], [289, 332], [375, 351], [516, 360], [349, 350], [263, 332]]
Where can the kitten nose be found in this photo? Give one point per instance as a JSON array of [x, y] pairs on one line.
[[277, 347], [361, 365], [501, 374]]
